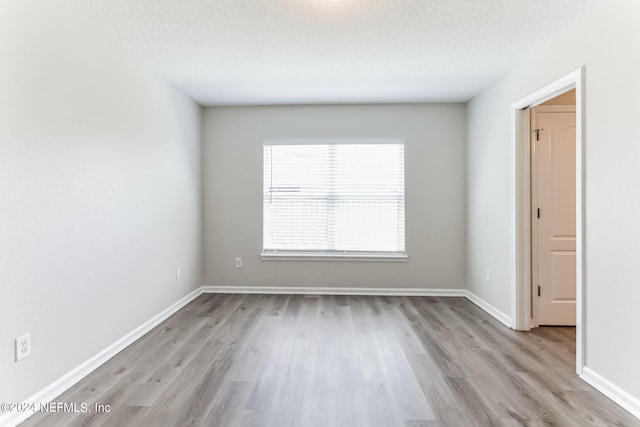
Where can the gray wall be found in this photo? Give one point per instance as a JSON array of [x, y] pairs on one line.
[[606, 42], [435, 193], [99, 194]]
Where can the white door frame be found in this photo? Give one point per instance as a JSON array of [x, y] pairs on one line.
[[521, 206]]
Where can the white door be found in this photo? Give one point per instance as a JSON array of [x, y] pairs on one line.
[[553, 143]]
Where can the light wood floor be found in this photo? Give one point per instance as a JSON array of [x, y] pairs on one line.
[[277, 360]]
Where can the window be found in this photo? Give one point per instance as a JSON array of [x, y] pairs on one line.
[[325, 199]]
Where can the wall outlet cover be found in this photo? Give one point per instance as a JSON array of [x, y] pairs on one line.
[[23, 347]]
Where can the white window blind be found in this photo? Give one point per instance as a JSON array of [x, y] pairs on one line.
[[334, 198]]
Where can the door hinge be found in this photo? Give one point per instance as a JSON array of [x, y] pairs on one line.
[[538, 290], [537, 131], [538, 212]]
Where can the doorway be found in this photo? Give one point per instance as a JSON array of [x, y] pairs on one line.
[[521, 207]]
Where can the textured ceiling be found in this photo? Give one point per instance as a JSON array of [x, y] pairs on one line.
[[227, 52]]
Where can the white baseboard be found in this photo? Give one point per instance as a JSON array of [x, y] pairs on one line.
[[497, 314], [612, 391], [62, 384], [304, 290]]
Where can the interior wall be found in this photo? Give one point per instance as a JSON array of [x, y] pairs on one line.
[[435, 193], [601, 42], [99, 193]]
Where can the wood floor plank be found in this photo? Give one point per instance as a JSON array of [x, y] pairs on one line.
[[149, 391], [444, 354], [278, 305], [310, 360], [469, 398], [227, 408]]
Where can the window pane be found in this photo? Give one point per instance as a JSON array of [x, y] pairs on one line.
[[334, 197]]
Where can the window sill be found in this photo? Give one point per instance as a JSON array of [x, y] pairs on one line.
[[315, 256]]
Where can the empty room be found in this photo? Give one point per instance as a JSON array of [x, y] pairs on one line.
[[319, 213]]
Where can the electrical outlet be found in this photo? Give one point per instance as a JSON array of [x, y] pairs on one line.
[[178, 273], [238, 262], [487, 275], [23, 347]]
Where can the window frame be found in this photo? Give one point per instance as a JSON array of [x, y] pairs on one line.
[[333, 255]]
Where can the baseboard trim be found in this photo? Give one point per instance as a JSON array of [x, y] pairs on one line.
[[612, 391], [62, 384], [494, 312], [304, 290]]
